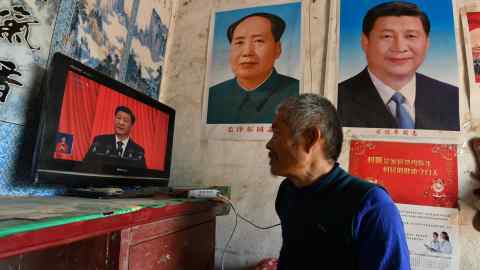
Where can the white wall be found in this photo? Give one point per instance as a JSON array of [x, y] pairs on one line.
[[244, 165]]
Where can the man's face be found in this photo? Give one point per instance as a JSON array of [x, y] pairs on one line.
[[395, 47], [253, 50], [286, 155], [123, 123]]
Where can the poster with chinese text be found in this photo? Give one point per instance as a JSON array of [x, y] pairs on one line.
[[254, 63], [412, 173], [422, 179], [410, 61], [432, 235], [25, 33]]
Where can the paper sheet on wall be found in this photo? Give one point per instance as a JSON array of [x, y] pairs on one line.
[[432, 236], [422, 178]]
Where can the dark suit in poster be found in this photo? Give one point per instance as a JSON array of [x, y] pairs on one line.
[[228, 103], [360, 105]]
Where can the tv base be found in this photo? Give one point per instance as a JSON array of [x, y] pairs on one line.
[[116, 192]]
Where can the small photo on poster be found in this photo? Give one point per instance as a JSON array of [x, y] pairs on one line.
[[439, 243], [398, 65], [254, 63]]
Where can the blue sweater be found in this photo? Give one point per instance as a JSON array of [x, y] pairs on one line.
[[340, 222]]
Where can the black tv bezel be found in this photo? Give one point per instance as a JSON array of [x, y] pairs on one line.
[[49, 170]]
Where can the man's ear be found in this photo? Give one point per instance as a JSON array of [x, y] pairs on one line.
[[364, 42], [278, 50], [311, 137]]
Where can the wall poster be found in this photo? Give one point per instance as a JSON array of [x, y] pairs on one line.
[[124, 39], [422, 179], [26, 28], [25, 33], [397, 72], [254, 62], [471, 32]]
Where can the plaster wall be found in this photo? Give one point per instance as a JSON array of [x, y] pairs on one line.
[[243, 165]]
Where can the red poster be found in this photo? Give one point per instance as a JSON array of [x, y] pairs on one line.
[[412, 173]]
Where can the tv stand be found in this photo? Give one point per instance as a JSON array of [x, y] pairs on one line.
[[116, 192], [79, 233]]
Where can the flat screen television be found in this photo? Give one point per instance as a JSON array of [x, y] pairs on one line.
[[98, 132]]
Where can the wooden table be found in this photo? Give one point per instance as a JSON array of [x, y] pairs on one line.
[[81, 233]]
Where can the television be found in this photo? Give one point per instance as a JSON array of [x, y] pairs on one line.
[[98, 132]]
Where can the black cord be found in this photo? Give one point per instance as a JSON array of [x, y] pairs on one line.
[[233, 231], [256, 226], [244, 218], [237, 215]]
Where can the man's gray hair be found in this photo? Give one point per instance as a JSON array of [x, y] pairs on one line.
[[307, 111]]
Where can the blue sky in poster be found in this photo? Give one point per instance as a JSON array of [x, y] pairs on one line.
[[441, 59], [289, 61]]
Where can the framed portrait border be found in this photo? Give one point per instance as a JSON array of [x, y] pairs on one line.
[[243, 131], [332, 70]]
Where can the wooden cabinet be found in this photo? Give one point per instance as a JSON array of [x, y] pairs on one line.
[[91, 253], [180, 236], [170, 244]]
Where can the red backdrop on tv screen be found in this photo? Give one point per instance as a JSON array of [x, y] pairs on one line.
[[88, 110]]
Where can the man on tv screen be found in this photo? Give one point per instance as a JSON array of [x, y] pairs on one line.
[[119, 147]]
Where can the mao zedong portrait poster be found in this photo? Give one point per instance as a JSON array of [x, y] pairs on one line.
[[398, 65], [254, 63]]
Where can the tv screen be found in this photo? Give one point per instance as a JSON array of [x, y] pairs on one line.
[[96, 131]]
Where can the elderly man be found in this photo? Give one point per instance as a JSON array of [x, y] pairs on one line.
[[257, 89], [389, 93], [325, 213]]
